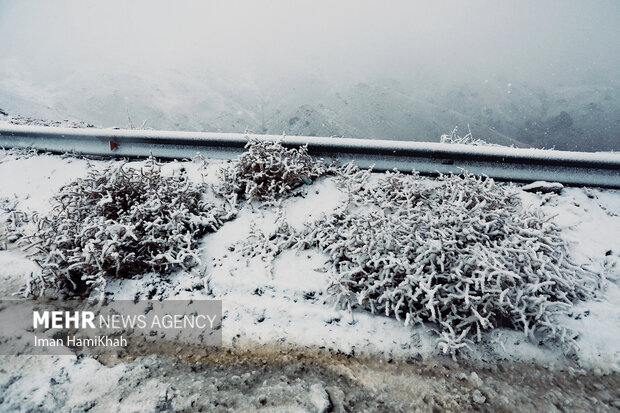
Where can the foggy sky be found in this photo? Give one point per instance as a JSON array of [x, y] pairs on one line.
[[538, 41]]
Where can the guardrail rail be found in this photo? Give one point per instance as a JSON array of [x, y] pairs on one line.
[[504, 163]]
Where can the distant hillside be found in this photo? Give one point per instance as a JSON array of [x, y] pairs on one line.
[[567, 117]]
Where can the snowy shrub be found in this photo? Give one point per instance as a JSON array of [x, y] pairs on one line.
[[455, 138], [17, 153], [11, 221], [461, 253], [26, 120], [117, 223], [268, 171]]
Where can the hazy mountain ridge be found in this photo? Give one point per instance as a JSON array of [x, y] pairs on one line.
[[571, 118]]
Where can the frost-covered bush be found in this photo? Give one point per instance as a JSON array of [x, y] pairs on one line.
[[268, 171], [468, 139], [26, 120], [461, 253], [117, 223], [17, 153], [10, 220]]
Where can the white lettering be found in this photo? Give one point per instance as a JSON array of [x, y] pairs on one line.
[[41, 319]]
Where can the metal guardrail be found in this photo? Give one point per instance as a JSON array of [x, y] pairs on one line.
[[503, 163]]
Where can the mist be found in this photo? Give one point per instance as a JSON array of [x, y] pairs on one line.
[[526, 73]]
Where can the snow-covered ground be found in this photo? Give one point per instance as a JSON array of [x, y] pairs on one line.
[[287, 306]]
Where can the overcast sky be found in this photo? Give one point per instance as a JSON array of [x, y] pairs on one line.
[[538, 41]]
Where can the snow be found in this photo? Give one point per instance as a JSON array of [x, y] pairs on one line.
[[290, 304], [38, 179], [543, 187]]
